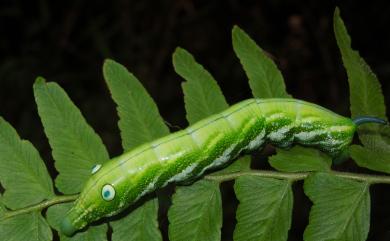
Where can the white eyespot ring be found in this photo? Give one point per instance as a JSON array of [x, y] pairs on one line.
[[108, 192], [96, 168]]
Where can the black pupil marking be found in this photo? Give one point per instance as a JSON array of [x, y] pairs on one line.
[[107, 193]]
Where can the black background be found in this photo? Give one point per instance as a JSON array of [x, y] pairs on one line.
[[67, 41]]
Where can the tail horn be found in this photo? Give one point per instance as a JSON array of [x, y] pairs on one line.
[[368, 119]]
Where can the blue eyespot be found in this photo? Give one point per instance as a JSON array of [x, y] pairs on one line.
[[108, 192], [96, 168]]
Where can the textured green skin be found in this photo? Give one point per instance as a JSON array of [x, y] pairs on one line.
[[210, 143]]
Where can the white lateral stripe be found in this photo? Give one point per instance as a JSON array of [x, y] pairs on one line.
[[221, 159], [340, 128], [184, 174], [280, 134], [309, 135], [257, 141], [310, 119]]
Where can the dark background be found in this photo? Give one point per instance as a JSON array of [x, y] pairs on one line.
[[67, 41]]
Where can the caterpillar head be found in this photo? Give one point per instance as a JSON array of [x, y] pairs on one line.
[[102, 195]]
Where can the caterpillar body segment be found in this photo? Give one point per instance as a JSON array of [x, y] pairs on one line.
[[208, 144]]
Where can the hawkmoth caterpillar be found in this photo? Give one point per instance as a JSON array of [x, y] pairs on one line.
[[209, 144]]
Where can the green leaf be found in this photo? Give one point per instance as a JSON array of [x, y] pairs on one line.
[[371, 158], [265, 209], [365, 91], [142, 228], [265, 79], [196, 213], [2, 207], [139, 122], [202, 95], [76, 147], [300, 159], [366, 99], [22, 171], [93, 233], [341, 209], [31, 226]]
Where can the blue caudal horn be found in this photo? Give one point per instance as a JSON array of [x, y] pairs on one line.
[[368, 119]]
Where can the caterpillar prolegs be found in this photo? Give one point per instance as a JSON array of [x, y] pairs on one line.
[[208, 144]]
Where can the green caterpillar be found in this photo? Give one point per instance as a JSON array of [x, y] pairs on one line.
[[210, 143]]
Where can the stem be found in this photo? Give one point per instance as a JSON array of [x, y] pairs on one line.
[[292, 177], [39, 206], [260, 173], [370, 179]]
